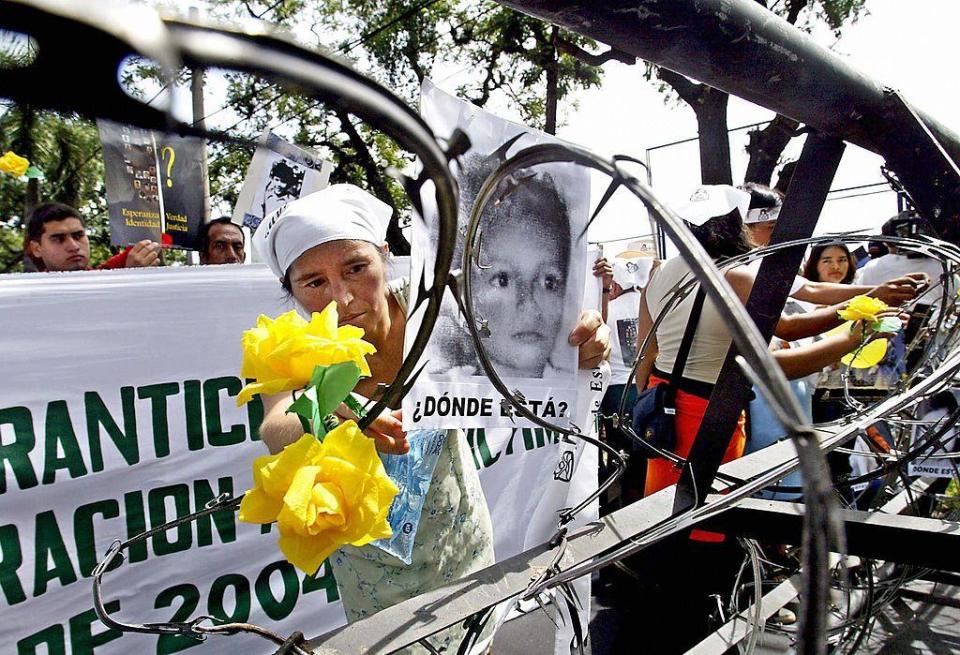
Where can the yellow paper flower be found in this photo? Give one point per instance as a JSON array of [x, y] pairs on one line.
[[863, 308], [865, 357], [322, 495], [280, 354], [14, 164]]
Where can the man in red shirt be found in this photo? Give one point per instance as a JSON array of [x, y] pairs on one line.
[[57, 241]]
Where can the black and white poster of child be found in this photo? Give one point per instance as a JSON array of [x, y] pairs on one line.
[[527, 279], [278, 173]]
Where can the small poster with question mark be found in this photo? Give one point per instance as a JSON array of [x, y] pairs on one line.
[[155, 185]]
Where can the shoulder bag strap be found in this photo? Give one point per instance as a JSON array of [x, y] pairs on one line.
[[681, 361]]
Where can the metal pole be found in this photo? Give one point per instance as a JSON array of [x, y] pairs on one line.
[[199, 114]]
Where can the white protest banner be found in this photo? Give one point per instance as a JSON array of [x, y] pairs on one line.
[[117, 414], [278, 173], [527, 279]]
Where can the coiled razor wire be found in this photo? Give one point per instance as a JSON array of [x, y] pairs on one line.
[[257, 50], [935, 352]]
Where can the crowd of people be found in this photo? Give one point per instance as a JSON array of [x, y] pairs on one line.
[[728, 222]]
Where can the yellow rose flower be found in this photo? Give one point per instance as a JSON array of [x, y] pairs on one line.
[[280, 354], [863, 308], [322, 495], [14, 164]]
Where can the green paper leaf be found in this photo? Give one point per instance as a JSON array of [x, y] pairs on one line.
[[333, 384], [355, 406], [887, 324], [304, 406]]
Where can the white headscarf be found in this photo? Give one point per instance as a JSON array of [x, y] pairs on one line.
[[340, 211], [712, 200]]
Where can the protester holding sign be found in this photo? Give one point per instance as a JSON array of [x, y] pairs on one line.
[[330, 246]]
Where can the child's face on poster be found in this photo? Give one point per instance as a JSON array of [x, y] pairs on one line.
[[520, 290]]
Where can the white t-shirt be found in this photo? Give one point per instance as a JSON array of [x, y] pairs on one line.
[[623, 314], [796, 285], [712, 338], [883, 269]]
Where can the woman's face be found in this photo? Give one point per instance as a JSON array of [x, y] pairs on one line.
[[353, 274], [833, 264], [760, 233], [519, 291]]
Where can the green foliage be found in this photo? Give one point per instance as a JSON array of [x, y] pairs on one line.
[[510, 52], [398, 42], [67, 150]]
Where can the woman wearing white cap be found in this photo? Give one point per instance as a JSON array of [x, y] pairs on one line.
[[330, 246], [691, 571], [715, 215]]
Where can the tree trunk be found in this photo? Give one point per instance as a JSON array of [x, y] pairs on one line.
[[711, 110], [553, 75], [765, 148]]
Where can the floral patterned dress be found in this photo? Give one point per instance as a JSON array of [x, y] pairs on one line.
[[454, 539]]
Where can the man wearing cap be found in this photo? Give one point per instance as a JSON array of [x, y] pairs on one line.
[[629, 276]]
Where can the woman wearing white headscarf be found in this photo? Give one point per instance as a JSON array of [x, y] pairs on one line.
[[330, 246]]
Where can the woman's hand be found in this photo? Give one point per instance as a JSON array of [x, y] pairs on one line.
[[603, 270], [592, 337], [386, 431], [901, 289], [862, 332]]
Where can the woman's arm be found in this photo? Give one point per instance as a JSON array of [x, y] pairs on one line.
[[644, 326], [791, 327], [894, 292], [802, 361], [280, 429]]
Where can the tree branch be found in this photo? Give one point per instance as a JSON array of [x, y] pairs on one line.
[[690, 92], [364, 159], [794, 7], [572, 49]]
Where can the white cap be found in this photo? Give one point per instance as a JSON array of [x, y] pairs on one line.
[[710, 201], [630, 273], [340, 211], [762, 215]]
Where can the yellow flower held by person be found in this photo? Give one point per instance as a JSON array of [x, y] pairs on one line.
[[14, 164], [866, 356], [322, 495], [280, 354], [863, 308]]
